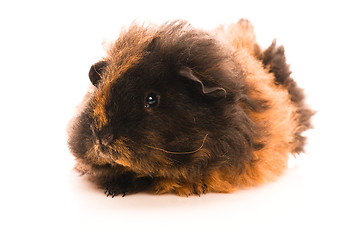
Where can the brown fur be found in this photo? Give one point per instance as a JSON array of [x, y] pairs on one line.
[[283, 118], [227, 115]]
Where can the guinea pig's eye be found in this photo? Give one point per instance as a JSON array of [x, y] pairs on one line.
[[151, 100]]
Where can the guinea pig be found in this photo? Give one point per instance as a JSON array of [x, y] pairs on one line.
[[174, 109]]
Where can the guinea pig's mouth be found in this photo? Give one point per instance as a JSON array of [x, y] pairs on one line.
[[108, 150], [100, 146], [102, 152], [107, 154]]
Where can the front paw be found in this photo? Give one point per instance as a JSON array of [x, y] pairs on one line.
[[125, 184], [111, 191]]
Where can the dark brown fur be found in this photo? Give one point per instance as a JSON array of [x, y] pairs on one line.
[[274, 59], [205, 126]]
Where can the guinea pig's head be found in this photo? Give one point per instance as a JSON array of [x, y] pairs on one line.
[[163, 98]]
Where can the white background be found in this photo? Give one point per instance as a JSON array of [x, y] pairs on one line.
[[46, 50]]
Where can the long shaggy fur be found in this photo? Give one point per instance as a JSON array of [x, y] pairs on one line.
[[178, 110]]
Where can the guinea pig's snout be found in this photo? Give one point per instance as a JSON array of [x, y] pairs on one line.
[[106, 139], [103, 136]]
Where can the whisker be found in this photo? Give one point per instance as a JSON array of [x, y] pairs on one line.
[[179, 153]]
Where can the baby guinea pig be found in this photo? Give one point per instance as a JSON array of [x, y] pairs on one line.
[[173, 109]]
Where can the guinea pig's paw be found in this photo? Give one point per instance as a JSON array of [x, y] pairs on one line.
[[183, 191], [191, 189], [114, 191], [117, 187], [126, 184], [200, 189]]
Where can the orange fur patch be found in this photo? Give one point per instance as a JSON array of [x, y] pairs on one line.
[[221, 181], [280, 119], [121, 150], [123, 54]]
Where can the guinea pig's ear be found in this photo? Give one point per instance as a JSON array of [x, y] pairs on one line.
[[215, 92], [95, 72]]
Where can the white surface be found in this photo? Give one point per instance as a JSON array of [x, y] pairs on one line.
[[46, 50]]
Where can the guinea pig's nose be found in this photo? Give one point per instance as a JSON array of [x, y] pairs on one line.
[[106, 139], [106, 136]]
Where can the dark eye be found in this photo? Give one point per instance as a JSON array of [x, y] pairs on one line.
[[151, 100]]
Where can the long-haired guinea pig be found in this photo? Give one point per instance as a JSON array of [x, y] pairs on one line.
[[174, 109]]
